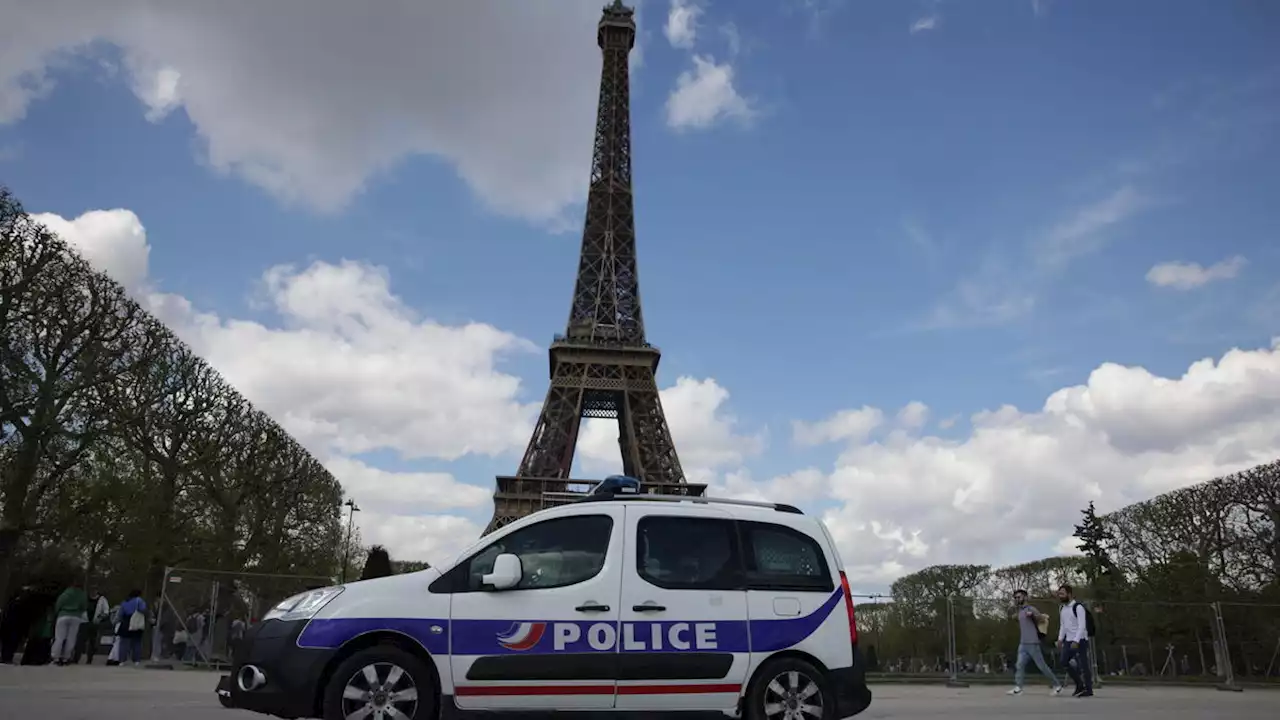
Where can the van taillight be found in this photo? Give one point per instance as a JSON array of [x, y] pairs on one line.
[[848, 605]]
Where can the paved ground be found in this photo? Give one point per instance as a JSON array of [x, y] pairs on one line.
[[101, 693]]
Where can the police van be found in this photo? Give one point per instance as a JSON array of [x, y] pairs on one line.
[[619, 602]]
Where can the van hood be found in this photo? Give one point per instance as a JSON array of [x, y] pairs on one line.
[[393, 581]]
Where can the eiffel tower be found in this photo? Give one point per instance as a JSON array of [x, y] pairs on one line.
[[601, 367]]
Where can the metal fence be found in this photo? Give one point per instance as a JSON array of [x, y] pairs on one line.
[[200, 613], [969, 639]]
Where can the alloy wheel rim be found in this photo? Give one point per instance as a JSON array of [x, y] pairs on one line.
[[793, 695], [380, 691]]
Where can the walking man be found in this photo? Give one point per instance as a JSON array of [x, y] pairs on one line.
[[1073, 641], [71, 609], [1030, 638]]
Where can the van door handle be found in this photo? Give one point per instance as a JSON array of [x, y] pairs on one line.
[[592, 607], [648, 607]]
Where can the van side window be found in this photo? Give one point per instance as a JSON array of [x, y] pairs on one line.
[[780, 558], [688, 553], [553, 553]]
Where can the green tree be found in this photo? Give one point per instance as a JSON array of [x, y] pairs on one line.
[[378, 564], [66, 333]]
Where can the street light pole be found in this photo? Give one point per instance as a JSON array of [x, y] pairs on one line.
[[346, 545]]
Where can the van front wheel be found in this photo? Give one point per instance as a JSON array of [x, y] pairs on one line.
[[789, 689], [380, 683]]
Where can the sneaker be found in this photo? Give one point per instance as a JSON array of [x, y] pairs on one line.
[[1015, 691], [1078, 692], [1086, 693], [1057, 690]]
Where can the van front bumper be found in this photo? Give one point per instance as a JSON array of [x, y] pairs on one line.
[[289, 675]]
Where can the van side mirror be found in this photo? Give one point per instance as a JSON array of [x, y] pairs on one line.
[[506, 572]]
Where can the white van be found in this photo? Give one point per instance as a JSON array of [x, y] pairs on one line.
[[616, 603]]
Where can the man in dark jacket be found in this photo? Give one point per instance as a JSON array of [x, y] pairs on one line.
[[16, 623]]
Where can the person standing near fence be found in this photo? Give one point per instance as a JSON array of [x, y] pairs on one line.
[[91, 631], [133, 622], [1030, 637], [1073, 641], [71, 609]]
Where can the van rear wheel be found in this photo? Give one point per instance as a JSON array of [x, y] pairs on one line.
[[789, 689], [380, 683]]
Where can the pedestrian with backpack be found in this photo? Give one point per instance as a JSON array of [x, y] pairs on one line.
[[1074, 632], [1033, 626]]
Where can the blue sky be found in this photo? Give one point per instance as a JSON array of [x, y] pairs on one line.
[[964, 204]]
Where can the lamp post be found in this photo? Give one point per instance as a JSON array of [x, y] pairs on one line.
[[346, 545]]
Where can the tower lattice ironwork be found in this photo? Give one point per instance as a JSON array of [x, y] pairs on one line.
[[602, 366]]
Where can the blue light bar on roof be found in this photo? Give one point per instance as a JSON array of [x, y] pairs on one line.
[[617, 485]]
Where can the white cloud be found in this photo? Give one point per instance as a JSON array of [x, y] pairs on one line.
[[1123, 436], [310, 98], [705, 96], [352, 369], [404, 493], [1083, 231], [798, 487], [732, 37], [436, 539], [348, 369], [913, 415], [851, 425], [705, 433], [1005, 286], [926, 23], [113, 241], [682, 24], [1189, 275], [1067, 545]]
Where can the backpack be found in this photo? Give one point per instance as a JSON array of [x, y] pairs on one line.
[[1088, 619]]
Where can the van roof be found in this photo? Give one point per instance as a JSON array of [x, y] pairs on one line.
[[655, 497]]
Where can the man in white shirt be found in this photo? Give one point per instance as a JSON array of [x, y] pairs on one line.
[[1073, 641]]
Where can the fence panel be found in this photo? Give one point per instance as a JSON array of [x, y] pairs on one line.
[[1251, 635], [202, 612], [898, 638], [1209, 642], [1156, 640]]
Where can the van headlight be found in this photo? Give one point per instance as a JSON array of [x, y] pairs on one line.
[[303, 606]]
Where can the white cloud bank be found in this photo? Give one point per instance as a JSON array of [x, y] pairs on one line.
[[309, 99], [347, 369]]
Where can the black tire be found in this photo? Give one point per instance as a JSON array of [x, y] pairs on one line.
[[765, 702], [353, 672]]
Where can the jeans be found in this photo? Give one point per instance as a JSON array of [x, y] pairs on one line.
[[1031, 651], [131, 647], [1080, 672], [64, 637]]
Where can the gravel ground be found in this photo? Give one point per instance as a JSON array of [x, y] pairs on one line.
[[101, 693]]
